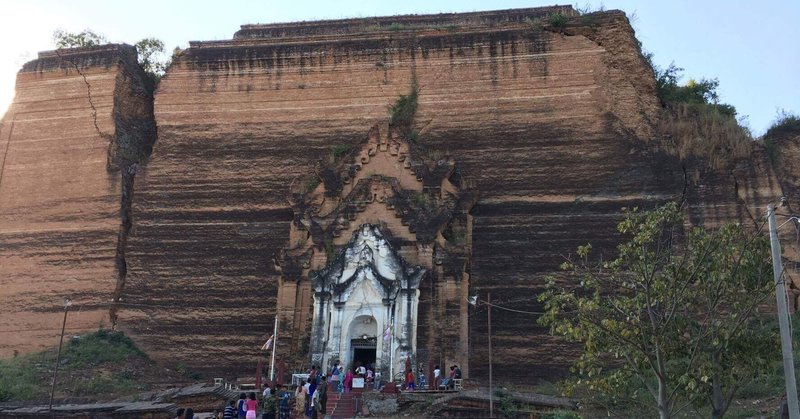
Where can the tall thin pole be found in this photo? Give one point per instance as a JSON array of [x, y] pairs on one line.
[[783, 317], [274, 348], [391, 353], [489, 321], [67, 303]]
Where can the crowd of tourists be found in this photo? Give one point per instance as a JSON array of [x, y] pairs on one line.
[[310, 398]]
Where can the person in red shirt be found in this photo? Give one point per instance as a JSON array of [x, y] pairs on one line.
[[409, 380]]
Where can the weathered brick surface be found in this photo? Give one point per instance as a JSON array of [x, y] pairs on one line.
[[543, 124], [60, 192], [554, 127]]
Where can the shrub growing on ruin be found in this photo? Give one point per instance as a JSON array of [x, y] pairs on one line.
[[557, 20], [152, 58], [785, 124], [150, 50], [340, 150], [698, 132], [403, 110], [696, 125]]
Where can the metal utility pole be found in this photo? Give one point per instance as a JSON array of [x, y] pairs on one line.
[[783, 317], [67, 303], [489, 321]]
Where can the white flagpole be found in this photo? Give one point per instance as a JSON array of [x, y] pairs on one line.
[[391, 353], [274, 347]]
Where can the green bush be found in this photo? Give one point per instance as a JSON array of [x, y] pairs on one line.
[[422, 201], [557, 20], [403, 111], [340, 150], [104, 385], [765, 386], [506, 403], [694, 92]]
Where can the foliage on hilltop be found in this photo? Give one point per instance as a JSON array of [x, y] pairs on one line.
[[699, 129], [84, 38], [785, 126], [150, 50]]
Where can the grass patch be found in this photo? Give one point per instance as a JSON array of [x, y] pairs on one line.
[[765, 386], [703, 132], [23, 377], [785, 122], [29, 377], [547, 388], [560, 414], [449, 28], [99, 347], [102, 385]]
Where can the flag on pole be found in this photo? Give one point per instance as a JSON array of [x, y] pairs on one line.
[[387, 335], [268, 344]]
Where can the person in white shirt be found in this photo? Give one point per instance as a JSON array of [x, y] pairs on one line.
[[437, 373]]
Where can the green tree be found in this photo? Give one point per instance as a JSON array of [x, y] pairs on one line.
[[85, 38], [694, 92], [675, 311], [150, 50], [151, 56]]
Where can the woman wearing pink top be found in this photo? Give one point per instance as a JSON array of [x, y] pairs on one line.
[[348, 381], [251, 405]]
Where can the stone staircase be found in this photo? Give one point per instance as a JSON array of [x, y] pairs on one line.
[[341, 405]]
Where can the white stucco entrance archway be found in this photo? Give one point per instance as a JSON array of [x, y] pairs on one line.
[[366, 298]]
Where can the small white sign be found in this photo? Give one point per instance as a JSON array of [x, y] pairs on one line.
[[358, 382]]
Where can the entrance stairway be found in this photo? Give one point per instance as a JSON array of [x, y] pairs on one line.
[[342, 405]]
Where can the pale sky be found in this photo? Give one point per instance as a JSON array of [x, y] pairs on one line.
[[753, 47]]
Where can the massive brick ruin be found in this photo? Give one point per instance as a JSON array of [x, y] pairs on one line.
[[552, 129], [78, 118]]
